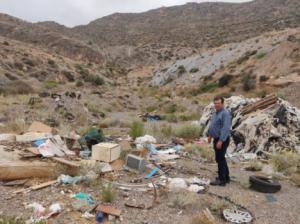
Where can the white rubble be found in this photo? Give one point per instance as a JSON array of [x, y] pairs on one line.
[[268, 130]]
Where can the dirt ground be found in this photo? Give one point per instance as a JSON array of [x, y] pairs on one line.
[[284, 210]]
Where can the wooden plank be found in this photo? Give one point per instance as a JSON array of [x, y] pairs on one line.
[[66, 162], [261, 104], [24, 170], [36, 187], [43, 185], [107, 209]]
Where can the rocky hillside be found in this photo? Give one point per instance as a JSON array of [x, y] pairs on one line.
[[272, 56], [193, 24], [50, 39]]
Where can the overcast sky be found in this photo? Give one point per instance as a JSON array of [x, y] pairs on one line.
[[77, 12]]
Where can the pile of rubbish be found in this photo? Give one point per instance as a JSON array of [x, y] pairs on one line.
[[260, 126]]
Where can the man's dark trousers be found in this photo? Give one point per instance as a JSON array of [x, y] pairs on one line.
[[223, 170]]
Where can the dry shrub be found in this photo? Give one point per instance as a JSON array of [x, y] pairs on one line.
[[16, 126], [108, 193], [203, 218], [295, 178], [181, 199], [254, 165], [189, 131], [285, 162], [16, 87]]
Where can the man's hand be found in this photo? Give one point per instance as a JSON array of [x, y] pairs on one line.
[[209, 139], [219, 145]]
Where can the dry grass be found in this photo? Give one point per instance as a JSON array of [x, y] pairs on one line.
[[12, 220], [254, 165], [181, 199], [286, 162], [203, 218], [162, 131], [217, 206], [16, 126], [188, 131], [295, 178], [205, 152]]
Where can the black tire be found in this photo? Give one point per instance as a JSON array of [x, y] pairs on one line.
[[264, 184]]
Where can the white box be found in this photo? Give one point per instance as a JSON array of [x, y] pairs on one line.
[[106, 152]]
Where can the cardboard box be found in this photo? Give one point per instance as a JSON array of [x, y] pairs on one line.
[[106, 152]]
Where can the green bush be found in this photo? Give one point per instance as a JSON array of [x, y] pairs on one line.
[[108, 193], [263, 78], [261, 55], [50, 84], [194, 70], [188, 131], [181, 70], [136, 129], [51, 62], [171, 108], [169, 117], [94, 79], [79, 83], [208, 87], [249, 83], [225, 80]]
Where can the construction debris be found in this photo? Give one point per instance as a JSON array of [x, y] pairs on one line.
[[260, 126]]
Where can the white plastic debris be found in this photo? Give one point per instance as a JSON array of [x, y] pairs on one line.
[[87, 215], [177, 183], [196, 188], [38, 210], [145, 140]]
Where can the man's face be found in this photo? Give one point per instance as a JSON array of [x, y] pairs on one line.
[[218, 105]]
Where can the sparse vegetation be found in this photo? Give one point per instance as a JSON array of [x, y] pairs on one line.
[[51, 62], [249, 83], [50, 84], [261, 55], [108, 193], [94, 79], [217, 206], [16, 87], [295, 178], [225, 80], [194, 70], [263, 78], [181, 70], [254, 165], [285, 162], [12, 220], [136, 129], [188, 131], [181, 199]]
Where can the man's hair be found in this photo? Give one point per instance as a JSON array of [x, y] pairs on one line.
[[216, 98]]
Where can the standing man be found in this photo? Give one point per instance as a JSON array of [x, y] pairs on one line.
[[219, 131]]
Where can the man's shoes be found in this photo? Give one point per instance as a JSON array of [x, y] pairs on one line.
[[218, 182]]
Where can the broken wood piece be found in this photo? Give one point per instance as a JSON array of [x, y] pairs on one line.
[[107, 209], [131, 205], [16, 182], [66, 162], [36, 187], [43, 185], [259, 105]]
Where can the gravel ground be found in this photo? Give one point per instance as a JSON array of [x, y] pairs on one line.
[[284, 210]]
